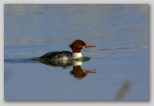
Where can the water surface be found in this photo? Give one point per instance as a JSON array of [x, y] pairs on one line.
[[119, 61]]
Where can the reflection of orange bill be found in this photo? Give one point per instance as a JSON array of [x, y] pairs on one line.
[[90, 72]]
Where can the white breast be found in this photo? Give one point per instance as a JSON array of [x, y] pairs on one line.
[[77, 55]]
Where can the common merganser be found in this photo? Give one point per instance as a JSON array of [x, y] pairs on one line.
[[76, 47]]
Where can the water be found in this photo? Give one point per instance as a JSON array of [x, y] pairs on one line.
[[118, 64]]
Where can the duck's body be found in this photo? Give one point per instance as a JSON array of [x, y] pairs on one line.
[[63, 55]]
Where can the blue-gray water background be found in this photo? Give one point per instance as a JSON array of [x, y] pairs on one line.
[[120, 58]]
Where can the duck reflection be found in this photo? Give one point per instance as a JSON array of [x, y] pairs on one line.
[[77, 70], [63, 63]]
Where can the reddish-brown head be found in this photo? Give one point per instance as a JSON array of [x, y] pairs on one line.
[[77, 45]]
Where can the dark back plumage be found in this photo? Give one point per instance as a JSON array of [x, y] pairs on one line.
[[56, 55]]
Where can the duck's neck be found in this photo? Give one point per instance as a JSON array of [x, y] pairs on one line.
[[77, 55]]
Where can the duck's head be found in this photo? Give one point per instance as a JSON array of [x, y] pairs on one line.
[[77, 45]]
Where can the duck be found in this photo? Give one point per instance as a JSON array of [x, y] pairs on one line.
[[76, 47]]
